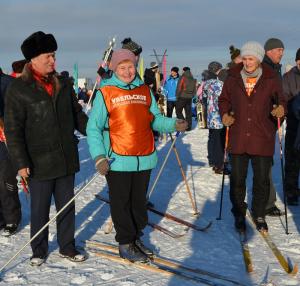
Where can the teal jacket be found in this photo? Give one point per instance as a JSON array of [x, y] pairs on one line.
[[98, 138]]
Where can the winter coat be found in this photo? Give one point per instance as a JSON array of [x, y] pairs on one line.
[[275, 67], [254, 129], [4, 82], [40, 128], [291, 88], [98, 134], [170, 88], [212, 89], [296, 113], [186, 87]]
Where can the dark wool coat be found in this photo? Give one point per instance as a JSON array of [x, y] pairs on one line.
[[254, 129], [40, 129]]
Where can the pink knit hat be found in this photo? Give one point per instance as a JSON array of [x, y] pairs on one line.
[[120, 56]]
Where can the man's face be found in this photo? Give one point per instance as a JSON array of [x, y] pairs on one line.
[[298, 64], [250, 63], [126, 71], [275, 55], [44, 63]]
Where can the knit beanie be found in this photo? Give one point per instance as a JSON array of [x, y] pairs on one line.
[[253, 48], [132, 46], [175, 69], [273, 43], [153, 65], [234, 52], [38, 43], [297, 55], [214, 67], [121, 55]]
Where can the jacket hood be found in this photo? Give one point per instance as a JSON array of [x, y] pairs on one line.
[[267, 72]]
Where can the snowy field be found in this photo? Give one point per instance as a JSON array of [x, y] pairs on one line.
[[217, 250]]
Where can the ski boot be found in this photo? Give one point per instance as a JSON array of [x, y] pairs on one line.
[[10, 229], [261, 224], [132, 253], [144, 249]]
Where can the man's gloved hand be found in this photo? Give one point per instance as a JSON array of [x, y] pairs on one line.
[[227, 119], [181, 125], [102, 165], [278, 111]]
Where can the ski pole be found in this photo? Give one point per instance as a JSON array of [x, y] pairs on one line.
[[51, 220], [184, 178], [282, 174], [223, 175], [276, 104], [162, 166]]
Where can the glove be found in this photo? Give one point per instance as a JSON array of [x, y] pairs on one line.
[[102, 165], [278, 111], [227, 119], [181, 125], [101, 71]]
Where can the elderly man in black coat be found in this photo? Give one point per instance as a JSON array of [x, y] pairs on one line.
[[41, 116]]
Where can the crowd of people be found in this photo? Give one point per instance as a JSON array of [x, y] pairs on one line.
[[246, 99]]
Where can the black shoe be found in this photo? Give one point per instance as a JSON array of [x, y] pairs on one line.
[[292, 200], [261, 224], [10, 229], [147, 251], [274, 211], [37, 260], [240, 223], [132, 253], [74, 256], [221, 170]]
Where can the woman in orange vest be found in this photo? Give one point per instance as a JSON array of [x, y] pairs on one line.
[[120, 127]]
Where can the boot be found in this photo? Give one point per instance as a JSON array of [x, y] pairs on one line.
[[261, 224], [240, 223], [10, 229], [147, 251], [132, 253]]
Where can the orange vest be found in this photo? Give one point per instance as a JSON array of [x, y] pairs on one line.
[[129, 120]]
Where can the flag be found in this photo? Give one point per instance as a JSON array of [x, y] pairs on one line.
[[75, 76], [141, 68], [164, 68]]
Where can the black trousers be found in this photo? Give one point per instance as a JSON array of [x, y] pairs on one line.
[[186, 104], [261, 183], [171, 105], [41, 192], [10, 207], [215, 147], [292, 164], [128, 205]]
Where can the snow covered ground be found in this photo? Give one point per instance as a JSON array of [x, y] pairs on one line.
[[217, 251]]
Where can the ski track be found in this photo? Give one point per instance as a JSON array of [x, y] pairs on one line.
[[217, 250]]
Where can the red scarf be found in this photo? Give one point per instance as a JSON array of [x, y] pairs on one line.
[[45, 82]]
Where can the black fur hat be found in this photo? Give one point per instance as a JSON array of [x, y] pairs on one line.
[[38, 43], [132, 46]]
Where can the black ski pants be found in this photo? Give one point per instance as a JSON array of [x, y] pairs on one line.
[[261, 166], [186, 104], [292, 164], [215, 146], [41, 192], [128, 204], [10, 207], [171, 105]]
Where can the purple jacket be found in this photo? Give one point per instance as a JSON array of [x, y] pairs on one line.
[[254, 129]]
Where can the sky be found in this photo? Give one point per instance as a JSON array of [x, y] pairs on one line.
[[194, 32]]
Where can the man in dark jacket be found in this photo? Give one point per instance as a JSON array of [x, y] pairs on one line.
[[10, 207], [274, 49], [291, 88], [41, 116], [186, 89], [247, 92]]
